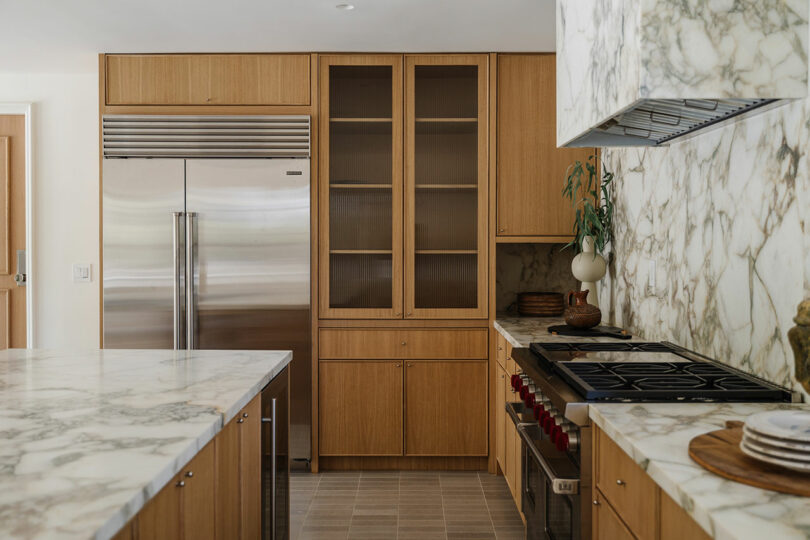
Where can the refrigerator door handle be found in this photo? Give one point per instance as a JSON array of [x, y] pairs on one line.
[[190, 291], [177, 245]]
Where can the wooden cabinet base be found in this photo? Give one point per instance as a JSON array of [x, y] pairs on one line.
[[401, 463]]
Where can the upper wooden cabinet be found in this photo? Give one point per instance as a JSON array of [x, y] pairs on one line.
[[403, 222], [446, 178], [208, 79], [531, 169], [361, 186]]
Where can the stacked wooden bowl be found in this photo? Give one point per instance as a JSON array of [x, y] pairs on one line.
[[540, 304]]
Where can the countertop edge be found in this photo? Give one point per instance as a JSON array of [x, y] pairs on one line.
[[129, 510], [505, 333]]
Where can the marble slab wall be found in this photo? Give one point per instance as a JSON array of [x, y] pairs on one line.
[[612, 53], [726, 218], [531, 267]]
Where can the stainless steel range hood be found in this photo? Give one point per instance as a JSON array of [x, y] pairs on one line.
[[645, 73]]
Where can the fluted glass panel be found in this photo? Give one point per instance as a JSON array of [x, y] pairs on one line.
[[359, 281], [446, 91], [360, 152], [446, 219], [360, 219], [445, 281], [360, 91], [446, 152]]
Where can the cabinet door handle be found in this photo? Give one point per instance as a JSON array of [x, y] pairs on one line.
[[404, 343], [621, 482], [244, 415], [408, 365], [189, 474], [596, 503], [397, 365], [241, 420], [181, 483]]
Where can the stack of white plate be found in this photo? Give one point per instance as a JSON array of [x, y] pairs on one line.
[[779, 438]]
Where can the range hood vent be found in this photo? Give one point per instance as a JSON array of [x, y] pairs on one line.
[[654, 72], [205, 136], [654, 122]]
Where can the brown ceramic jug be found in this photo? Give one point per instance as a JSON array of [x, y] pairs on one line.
[[579, 313]]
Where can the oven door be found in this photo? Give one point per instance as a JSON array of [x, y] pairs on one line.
[[551, 498]]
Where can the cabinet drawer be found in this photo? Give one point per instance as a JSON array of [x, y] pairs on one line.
[[208, 79], [630, 491], [360, 343]]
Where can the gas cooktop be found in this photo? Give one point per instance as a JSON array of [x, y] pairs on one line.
[[649, 372]]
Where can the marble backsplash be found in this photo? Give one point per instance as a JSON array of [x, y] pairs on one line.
[[531, 267], [726, 218]]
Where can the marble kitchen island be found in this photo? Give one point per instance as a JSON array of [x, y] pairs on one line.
[[88, 437]]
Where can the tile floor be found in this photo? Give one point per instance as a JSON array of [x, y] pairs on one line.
[[402, 505]]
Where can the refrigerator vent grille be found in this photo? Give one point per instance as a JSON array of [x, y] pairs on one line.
[[205, 136]]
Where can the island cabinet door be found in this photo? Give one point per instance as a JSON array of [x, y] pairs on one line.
[[446, 408], [160, 518], [606, 524], [227, 509], [250, 469], [198, 496], [500, 417], [360, 405]]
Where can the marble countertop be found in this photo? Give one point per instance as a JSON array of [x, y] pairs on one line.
[[87, 437], [521, 331], [657, 435]]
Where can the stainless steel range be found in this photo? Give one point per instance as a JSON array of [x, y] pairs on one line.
[[557, 382]]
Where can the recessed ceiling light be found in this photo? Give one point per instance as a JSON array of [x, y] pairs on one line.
[[347, 7]]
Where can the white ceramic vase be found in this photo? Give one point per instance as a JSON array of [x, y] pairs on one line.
[[589, 267]]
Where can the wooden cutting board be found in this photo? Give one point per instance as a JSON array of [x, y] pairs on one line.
[[719, 452]]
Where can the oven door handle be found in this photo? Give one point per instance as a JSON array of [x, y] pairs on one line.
[[560, 486]]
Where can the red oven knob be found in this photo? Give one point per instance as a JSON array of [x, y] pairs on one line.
[[556, 432], [562, 443], [548, 423], [529, 400], [516, 383], [538, 410]]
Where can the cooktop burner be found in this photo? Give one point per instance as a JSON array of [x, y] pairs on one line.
[[649, 372]]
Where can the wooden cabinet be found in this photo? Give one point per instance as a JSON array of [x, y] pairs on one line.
[[676, 524], [430, 259], [361, 186], [250, 469], [530, 168], [439, 343], [208, 79], [360, 404], [630, 491], [228, 507], [446, 179], [606, 523], [627, 502], [160, 518], [446, 408], [501, 382]]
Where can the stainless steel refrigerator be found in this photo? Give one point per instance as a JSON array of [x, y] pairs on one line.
[[206, 240]]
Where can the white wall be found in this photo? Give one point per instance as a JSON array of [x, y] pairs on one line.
[[65, 200]]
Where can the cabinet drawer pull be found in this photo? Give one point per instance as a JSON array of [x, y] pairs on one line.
[[241, 420], [404, 343], [408, 365], [181, 483], [397, 365], [621, 483], [596, 502], [189, 474], [244, 415]]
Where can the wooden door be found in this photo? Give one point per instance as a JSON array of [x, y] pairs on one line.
[[446, 178], [198, 496], [500, 417], [531, 169], [510, 449], [12, 229], [606, 523], [360, 405], [446, 408], [676, 523], [250, 469], [360, 247], [228, 496], [161, 517]]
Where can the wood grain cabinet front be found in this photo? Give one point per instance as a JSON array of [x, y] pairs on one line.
[[208, 79], [606, 523], [437, 343], [446, 408], [360, 405]]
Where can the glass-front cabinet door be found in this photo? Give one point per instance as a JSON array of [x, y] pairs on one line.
[[446, 175], [361, 186]]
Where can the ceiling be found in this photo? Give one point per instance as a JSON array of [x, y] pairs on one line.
[[65, 35]]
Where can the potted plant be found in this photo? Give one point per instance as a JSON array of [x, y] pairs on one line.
[[593, 220]]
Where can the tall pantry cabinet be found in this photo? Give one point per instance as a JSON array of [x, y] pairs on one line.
[[403, 260]]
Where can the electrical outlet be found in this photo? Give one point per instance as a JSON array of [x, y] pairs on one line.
[[81, 273], [650, 277]]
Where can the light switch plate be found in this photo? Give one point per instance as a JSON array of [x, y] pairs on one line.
[[82, 273]]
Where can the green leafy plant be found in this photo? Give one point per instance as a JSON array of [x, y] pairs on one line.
[[592, 201]]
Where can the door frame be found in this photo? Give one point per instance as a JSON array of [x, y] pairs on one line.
[[25, 110]]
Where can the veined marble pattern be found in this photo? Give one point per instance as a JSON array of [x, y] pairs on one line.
[[612, 53], [89, 436], [725, 217], [657, 435], [522, 331], [531, 267]]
